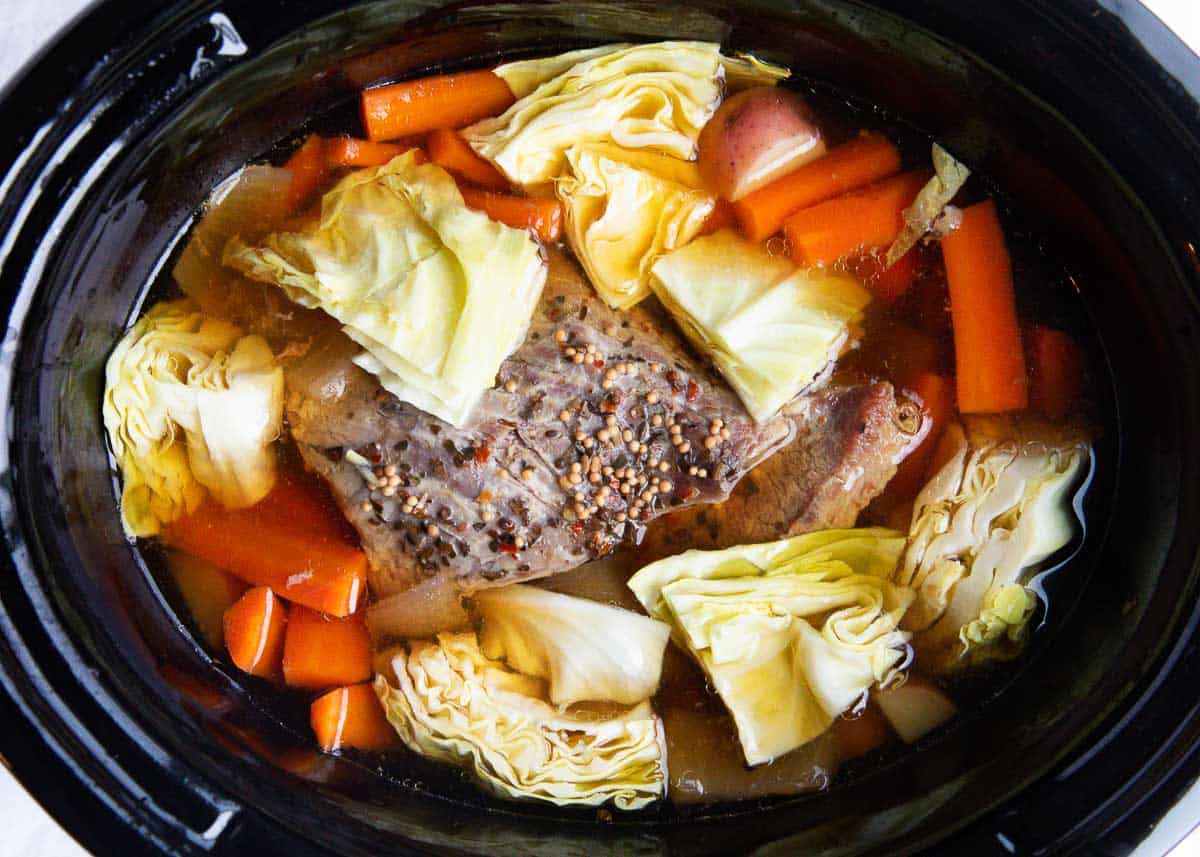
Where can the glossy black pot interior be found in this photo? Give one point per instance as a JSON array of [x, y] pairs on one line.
[[127, 731]]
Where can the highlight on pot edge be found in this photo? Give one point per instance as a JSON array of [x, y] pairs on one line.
[[620, 426]]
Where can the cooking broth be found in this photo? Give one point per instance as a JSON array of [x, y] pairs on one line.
[[899, 350]]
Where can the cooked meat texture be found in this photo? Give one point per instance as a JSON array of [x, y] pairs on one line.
[[599, 423], [849, 440]]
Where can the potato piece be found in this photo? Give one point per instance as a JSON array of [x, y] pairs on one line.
[[756, 136], [915, 708], [603, 580], [208, 591], [417, 613]]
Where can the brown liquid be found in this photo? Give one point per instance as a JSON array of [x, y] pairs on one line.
[[705, 759]]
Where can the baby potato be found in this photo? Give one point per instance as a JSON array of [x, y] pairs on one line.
[[756, 136]]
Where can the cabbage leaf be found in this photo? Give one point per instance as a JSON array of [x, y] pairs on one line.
[[190, 404], [584, 649], [437, 294], [524, 76], [625, 208], [655, 96], [999, 505], [931, 200], [452, 703], [791, 633], [771, 328]]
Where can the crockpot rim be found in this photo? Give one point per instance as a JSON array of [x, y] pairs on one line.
[[99, 18]]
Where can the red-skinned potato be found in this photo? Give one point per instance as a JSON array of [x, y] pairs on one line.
[[756, 136]]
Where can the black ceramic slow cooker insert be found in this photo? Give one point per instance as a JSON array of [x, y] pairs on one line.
[[135, 740]]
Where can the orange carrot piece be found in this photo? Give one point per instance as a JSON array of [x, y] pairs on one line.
[[445, 101], [352, 152], [309, 169], [208, 591], [254, 630], [543, 216], [866, 159], [887, 284], [351, 717], [983, 311], [302, 500], [320, 651], [289, 542], [723, 217], [891, 283], [869, 217], [448, 149], [936, 393], [1056, 370]]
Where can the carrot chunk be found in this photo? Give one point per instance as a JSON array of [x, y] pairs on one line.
[[352, 152], [445, 101], [321, 651], [290, 542], [208, 591], [351, 717], [309, 169], [869, 217], [891, 283], [887, 284], [722, 217], [448, 149], [543, 216], [866, 159], [304, 501], [936, 393], [983, 312], [1056, 370], [254, 631]]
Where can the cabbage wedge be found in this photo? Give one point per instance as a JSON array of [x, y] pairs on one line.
[[585, 650], [931, 201], [191, 407], [437, 294], [791, 633], [771, 328], [524, 76], [450, 702], [655, 96], [626, 208], [999, 505]]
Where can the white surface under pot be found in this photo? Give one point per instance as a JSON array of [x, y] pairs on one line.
[[26, 25]]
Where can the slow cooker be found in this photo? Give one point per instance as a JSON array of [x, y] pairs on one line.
[[1084, 113]]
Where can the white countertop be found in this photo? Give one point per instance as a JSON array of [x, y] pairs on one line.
[[29, 832]]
